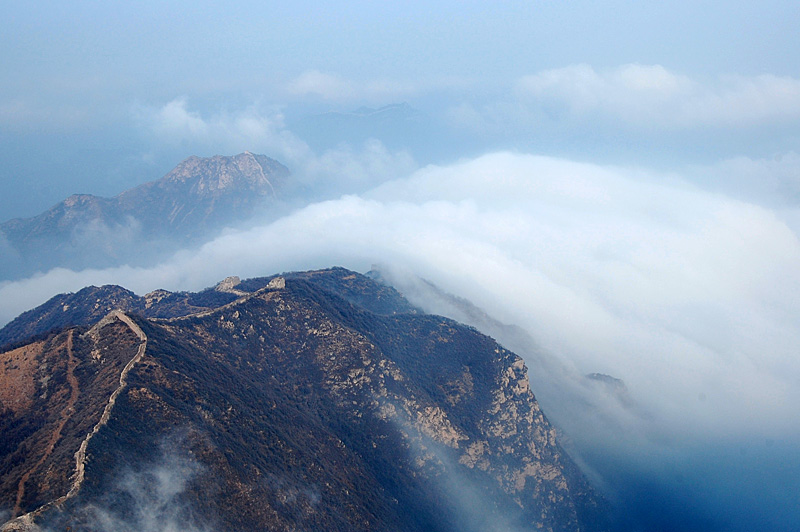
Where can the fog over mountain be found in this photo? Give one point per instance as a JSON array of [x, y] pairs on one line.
[[143, 225], [615, 187]]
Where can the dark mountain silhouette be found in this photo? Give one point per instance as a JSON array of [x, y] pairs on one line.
[[196, 199], [309, 401]]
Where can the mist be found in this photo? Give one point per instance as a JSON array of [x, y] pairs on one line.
[[150, 496]]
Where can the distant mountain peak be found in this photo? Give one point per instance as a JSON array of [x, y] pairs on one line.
[[197, 198], [79, 199], [220, 172]]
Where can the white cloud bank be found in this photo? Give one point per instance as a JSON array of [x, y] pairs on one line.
[[622, 103], [174, 123], [651, 95]]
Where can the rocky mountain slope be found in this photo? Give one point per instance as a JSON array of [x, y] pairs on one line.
[[309, 401], [198, 197]]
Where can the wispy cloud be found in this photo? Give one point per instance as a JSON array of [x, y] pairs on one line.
[[653, 96], [253, 128], [327, 86], [333, 87], [345, 168], [149, 496]]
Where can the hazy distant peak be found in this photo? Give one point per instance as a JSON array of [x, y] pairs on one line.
[[79, 199], [200, 196], [207, 192], [220, 173]]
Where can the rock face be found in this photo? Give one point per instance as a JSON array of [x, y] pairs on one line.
[[201, 193], [198, 197], [310, 401]]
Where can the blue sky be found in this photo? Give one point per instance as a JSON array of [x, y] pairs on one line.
[[620, 179]]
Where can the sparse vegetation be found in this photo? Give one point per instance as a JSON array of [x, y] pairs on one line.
[[329, 404]]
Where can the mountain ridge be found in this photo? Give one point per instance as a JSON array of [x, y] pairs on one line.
[[318, 400], [199, 196]]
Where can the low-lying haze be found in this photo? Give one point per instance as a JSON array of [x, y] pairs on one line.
[[621, 181]]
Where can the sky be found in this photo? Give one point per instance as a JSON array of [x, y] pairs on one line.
[[619, 179]]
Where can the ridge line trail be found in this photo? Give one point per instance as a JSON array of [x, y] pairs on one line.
[[245, 296], [261, 169], [80, 455], [25, 522], [56, 434]]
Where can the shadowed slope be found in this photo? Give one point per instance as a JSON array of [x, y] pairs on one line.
[[297, 407]]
